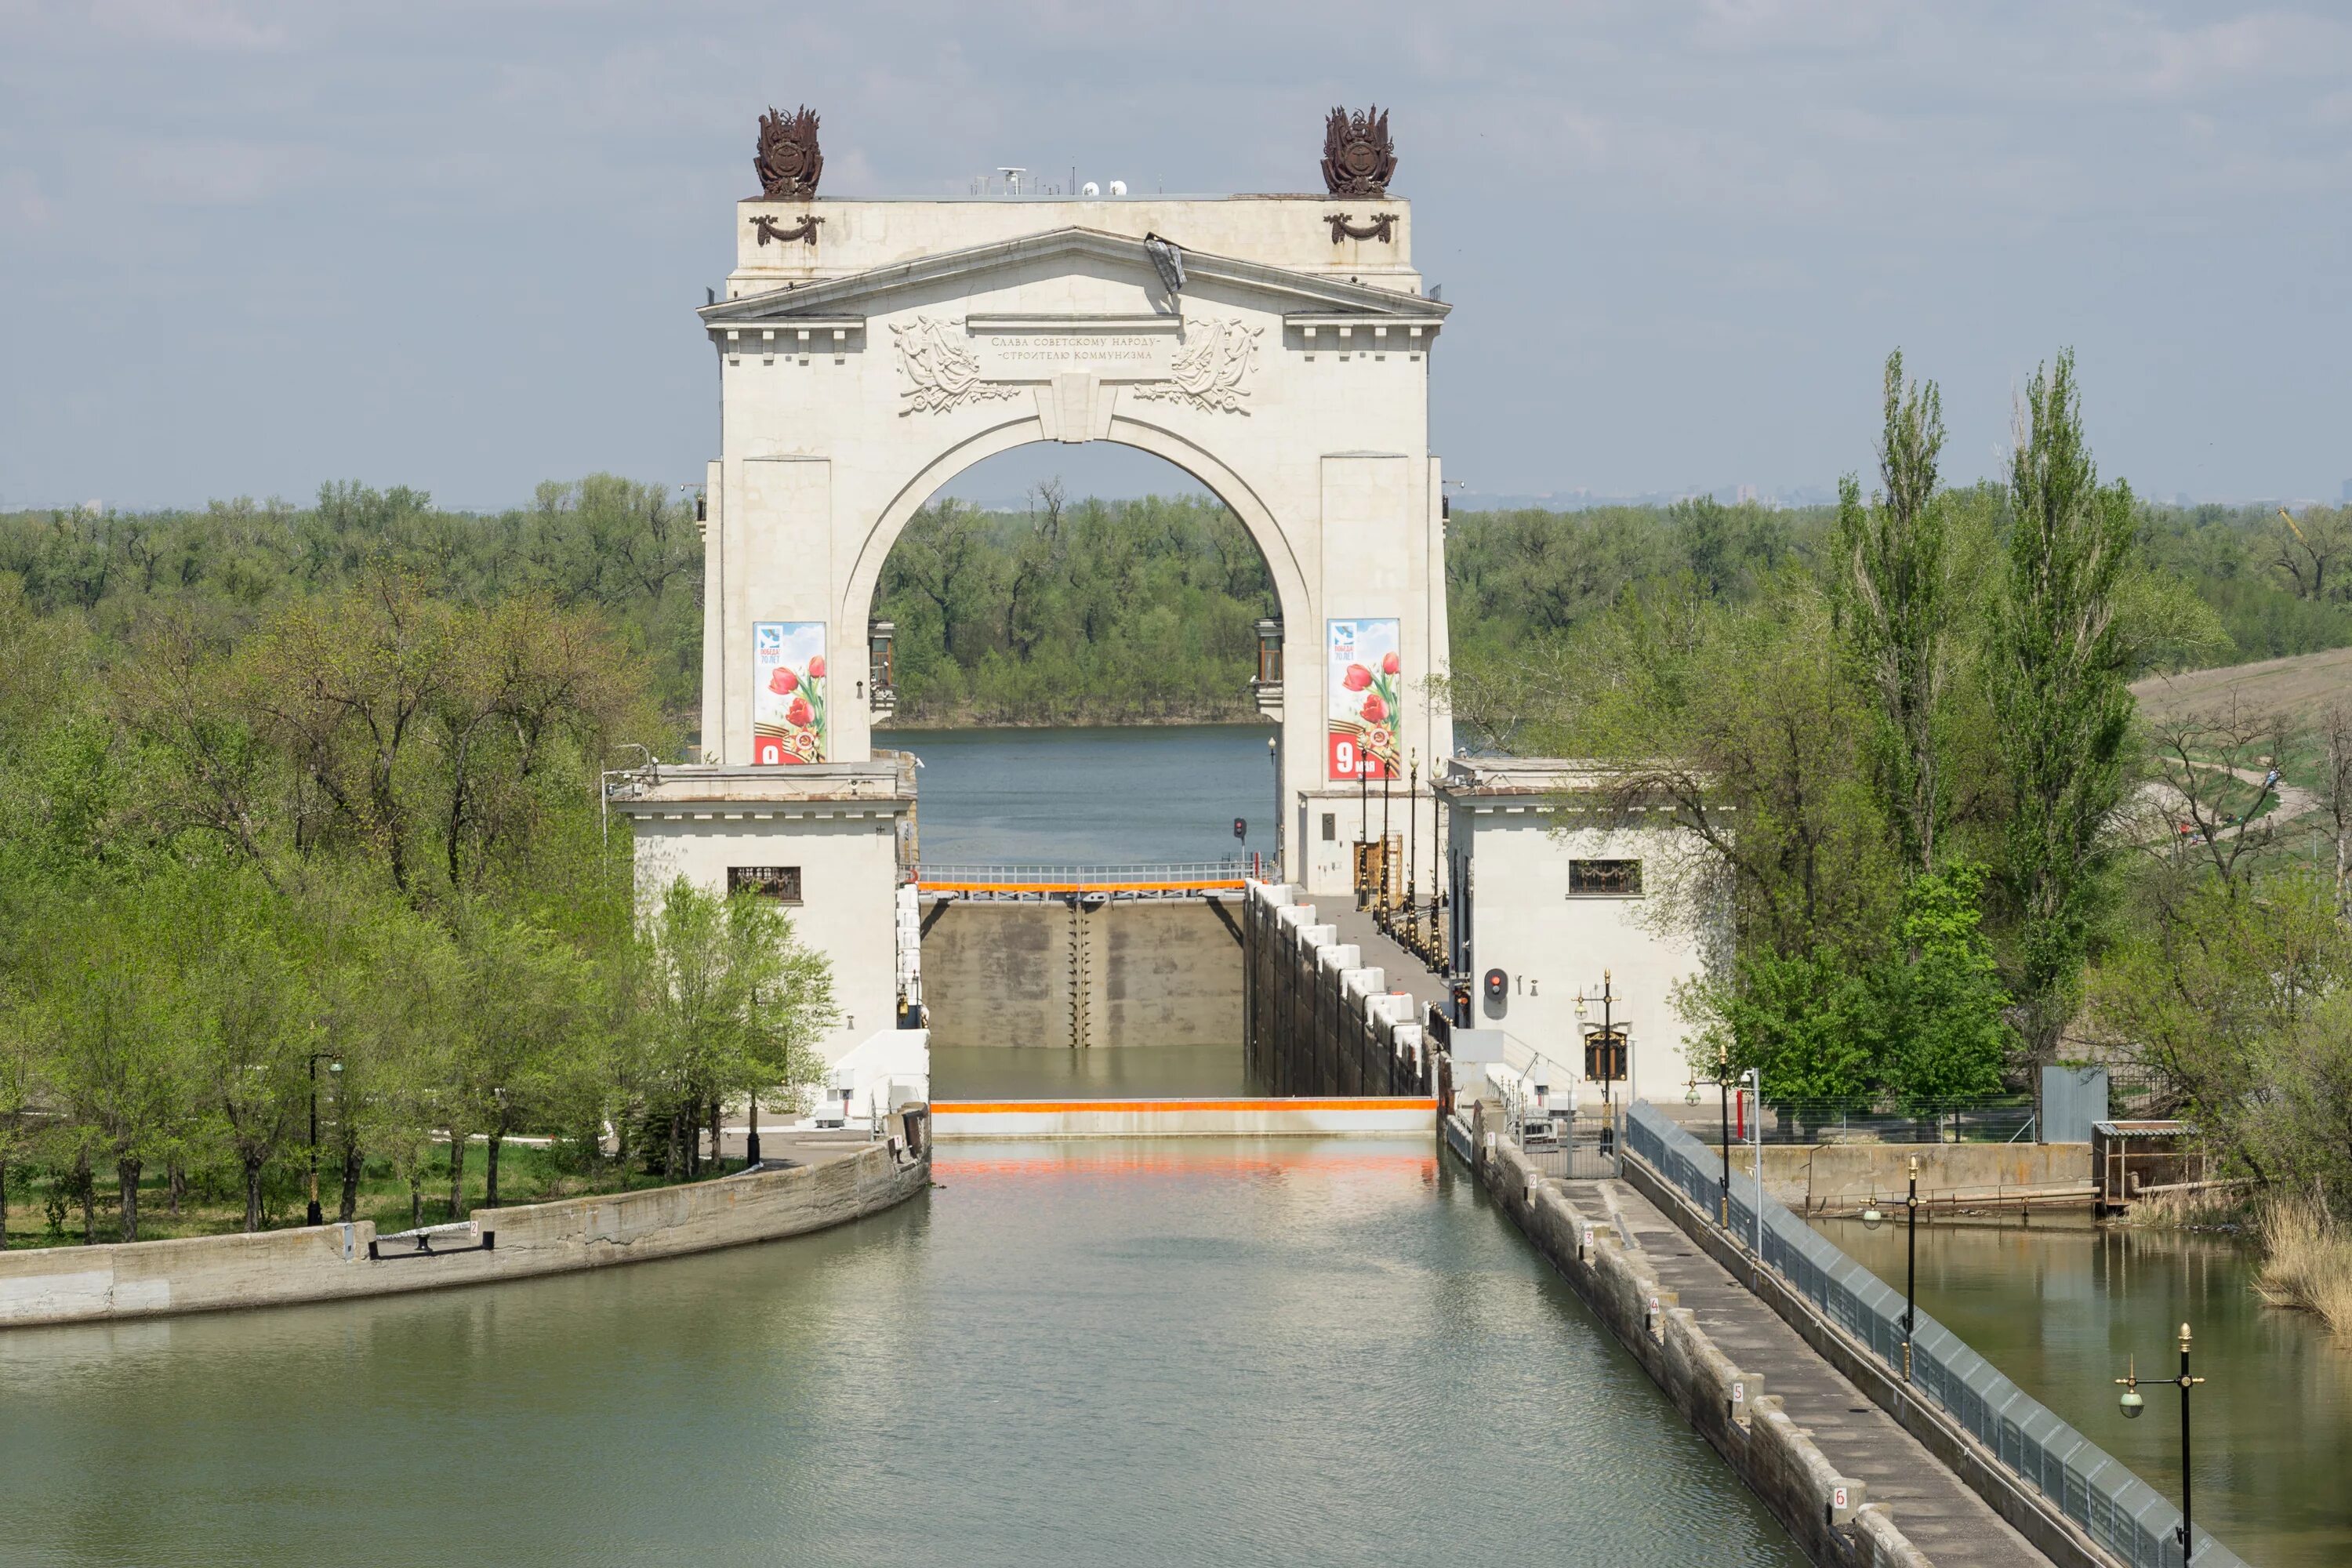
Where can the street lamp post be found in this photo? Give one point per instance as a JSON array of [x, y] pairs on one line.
[[1723, 1104], [1611, 1050], [2132, 1405], [314, 1215], [1753, 1079], [1274, 756], [1911, 1269], [1411, 894]]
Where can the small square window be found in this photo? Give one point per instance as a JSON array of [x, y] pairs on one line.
[[782, 883], [1330, 827], [1605, 878]]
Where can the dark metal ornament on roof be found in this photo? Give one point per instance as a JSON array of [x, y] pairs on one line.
[[789, 161], [1358, 159]]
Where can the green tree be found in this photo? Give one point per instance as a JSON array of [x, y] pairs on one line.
[[1940, 1001], [1897, 609], [2059, 694], [738, 1006]]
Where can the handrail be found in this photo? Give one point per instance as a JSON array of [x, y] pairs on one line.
[[2088, 1485]]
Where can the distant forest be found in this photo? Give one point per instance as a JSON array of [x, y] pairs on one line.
[[1082, 611]]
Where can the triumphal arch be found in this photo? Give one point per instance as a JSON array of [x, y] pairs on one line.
[[1276, 347]]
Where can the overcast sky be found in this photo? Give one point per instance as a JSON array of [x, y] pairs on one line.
[[246, 247]]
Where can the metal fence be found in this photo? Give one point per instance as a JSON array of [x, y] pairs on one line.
[[2122, 1513], [2007, 1118]]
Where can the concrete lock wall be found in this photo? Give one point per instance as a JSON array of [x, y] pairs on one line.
[[1811, 1178], [1727, 1404], [318, 1263], [1061, 972], [1318, 1021]]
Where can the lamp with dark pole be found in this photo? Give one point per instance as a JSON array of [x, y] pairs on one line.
[[1607, 1059], [752, 1131], [314, 1215], [1274, 756], [1723, 1103], [1911, 1269], [2132, 1405], [1412, 862]]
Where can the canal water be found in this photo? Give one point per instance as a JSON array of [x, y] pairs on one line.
[[2062, 1307], [1215, 1352], [1091, 796]]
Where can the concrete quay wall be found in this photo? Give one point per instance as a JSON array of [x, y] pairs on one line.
[[1811, 1177], [2027, 1511], [321, 1263], [1828, 1514], [1317, 1020]]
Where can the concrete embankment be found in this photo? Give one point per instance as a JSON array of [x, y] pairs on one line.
[[1833, 1178], [318, 1263], [1851, 1487]]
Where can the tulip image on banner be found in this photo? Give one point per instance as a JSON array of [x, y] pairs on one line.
[[1367, 685], [788, 692]]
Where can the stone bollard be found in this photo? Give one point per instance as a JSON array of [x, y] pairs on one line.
[[1845, 1500], [1747, 1388]]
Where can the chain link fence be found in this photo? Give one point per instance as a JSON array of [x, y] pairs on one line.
[[2122, 1513]]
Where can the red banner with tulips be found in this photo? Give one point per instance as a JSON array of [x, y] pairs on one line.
[[1366, 683], [787, 692]]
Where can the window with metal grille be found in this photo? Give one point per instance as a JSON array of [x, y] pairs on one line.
[[1605, 878], [782, 883], [1330, 826]]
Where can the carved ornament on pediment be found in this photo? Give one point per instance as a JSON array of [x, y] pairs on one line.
[[940, 366], [1212, 368], [1205, 362]]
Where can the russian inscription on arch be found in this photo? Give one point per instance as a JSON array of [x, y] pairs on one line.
[[1205, 362]]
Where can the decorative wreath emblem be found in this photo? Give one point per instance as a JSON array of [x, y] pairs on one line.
[[789, 161], [1358, 159]]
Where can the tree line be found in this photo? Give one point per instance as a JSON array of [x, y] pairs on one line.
[[1910, 794], [332, 839]]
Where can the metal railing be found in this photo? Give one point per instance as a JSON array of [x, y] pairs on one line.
[[1156, 878], [2004, 1119], [2091, 1486]]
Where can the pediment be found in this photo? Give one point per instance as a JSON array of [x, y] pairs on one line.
[[835, 301]]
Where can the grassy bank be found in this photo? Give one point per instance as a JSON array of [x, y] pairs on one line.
[[2308, 1261], [44, 1212]]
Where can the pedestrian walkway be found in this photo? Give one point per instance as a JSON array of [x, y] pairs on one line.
[[1939, 1515]]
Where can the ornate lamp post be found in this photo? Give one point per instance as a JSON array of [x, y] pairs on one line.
[[1610, 1058], [1723, 1107], [1274, 756], [314, 1215], [1911, 1269], [2132, 1405], [1411, 864]]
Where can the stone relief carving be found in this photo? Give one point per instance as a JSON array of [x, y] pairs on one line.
[[1210, 369], [941, 365]]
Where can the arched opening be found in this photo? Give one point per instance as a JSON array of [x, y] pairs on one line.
[[1075, 635]]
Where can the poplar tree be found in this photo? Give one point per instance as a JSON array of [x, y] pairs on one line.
[[2059, 691], [1895, 610]]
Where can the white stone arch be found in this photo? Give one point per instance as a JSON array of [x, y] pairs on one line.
[[1249, 340], [1273, 545]]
